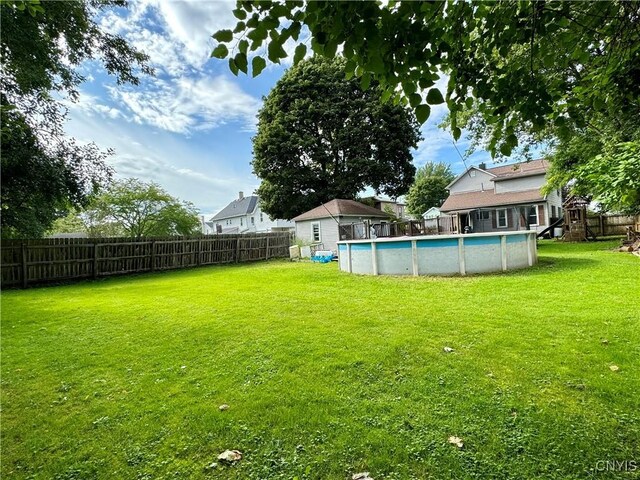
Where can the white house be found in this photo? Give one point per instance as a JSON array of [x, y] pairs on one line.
[[244, 215], [507, 197], [322, 224], [433, 212]]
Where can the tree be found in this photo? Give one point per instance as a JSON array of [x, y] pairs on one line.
[[45, 173], [612, 178], [322, 137], [525, 62], [43, 44], [595, 153], [429, 188], [39, 182], [142, 209]]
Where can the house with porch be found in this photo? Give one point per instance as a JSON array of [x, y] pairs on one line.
[[502, 198], [244, 215], [327, 223]]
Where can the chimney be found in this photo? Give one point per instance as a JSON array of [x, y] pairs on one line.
[[482, 166], [240, 195]]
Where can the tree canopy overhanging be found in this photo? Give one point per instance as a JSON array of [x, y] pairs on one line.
[[561, 54], [44, 172], [322, 137]]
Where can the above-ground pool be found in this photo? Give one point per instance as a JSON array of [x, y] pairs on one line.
[[439, 254]]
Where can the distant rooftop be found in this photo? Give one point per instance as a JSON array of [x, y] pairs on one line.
[[523, 169], [241, 206], [340, 207]]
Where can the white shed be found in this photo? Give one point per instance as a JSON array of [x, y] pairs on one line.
[[321, 224]]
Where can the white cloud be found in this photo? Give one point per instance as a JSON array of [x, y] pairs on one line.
[[185, 172], [175, 34], [184, 104]]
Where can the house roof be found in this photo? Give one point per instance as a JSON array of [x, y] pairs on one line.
[[512, 170], [339, 207], [237, 208], [466, 171], [524, 169], [488, 198]]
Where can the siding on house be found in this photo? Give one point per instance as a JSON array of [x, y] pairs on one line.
[[245, 215], [329, 231], [519, 184], [468, 183]]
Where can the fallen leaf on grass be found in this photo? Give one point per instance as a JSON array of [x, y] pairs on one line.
[[230, 456], [614, 368], [223, 407], [361, 476], [457, 441], [448, 349]]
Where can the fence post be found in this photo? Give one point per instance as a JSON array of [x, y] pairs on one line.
[[199, 251], [238, 249], [95, 260], [437, 225], [23, 252], [602, 225], [153, 255], [266, 255]]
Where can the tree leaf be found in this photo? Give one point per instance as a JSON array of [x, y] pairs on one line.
[[415, 99], [365, 80], [301, 51], [223, 36], [434, 97], [241, 62], [258, 64], [221, 51], [422, 113], [275, 51], [233, 67], [239, 13]]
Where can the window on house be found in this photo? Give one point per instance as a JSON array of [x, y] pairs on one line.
[[241, 221], [472, 173], [502, 218], [553, 211], [482, 215], [315, 232], [252, 221], [261, 217], [533, 215]]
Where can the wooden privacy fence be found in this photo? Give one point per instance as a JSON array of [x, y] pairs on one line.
[[51, 260], [604, 225]]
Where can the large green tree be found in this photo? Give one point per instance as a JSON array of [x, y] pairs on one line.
[[560, 54], [44, 172], [39, 182], [429, 188], [322, 137], [133, 208]]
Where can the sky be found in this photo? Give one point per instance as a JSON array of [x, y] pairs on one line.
[[189, 127]]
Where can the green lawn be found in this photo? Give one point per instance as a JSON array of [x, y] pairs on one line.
[[327, 374]]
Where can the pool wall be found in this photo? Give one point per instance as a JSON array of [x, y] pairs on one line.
[[439, 254]]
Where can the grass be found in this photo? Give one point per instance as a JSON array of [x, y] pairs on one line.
[[327, 374]]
